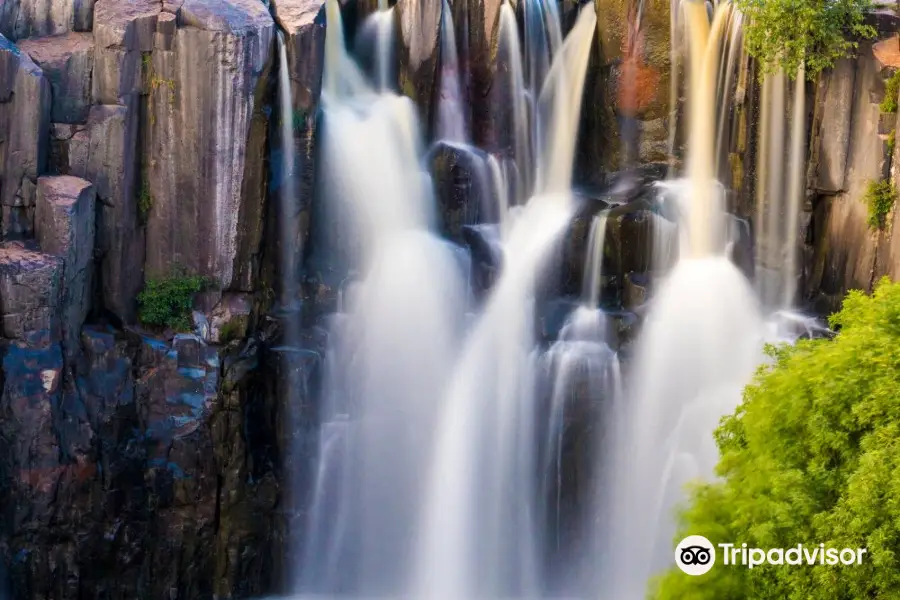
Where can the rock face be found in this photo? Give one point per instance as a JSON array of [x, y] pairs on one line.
[[64, 224], [419, 24], [850, 151], [104, 152], [203, 159], [30, 293], [24, 127], [67, 62], [38, 18]]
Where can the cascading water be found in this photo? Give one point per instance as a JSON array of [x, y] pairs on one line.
[[700, 345], [390, 347], [593, 266], [779, 198], [451, 124], [480, 534]]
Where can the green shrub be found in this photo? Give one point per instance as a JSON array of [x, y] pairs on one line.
[[891, 142], [167, 302], [811, 456], [880, 197], [787, 33], [145, 202], [891, 91]]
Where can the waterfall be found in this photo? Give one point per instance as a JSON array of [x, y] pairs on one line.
[[390, 346], [779, 199], [699, 346], [593, 266], [288, 195], [451, 124], [522, 133], [480, 534]]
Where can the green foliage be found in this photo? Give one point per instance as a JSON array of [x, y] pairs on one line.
[[145, 202], [167, 302], [785, 33], [811, 456], [891, 91], [229, 331], [892, 141], [879, 197]]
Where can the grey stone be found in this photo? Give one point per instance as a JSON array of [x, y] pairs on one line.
[[206, 133], [230, 319], [64, 224], [303, 22], [838, 87], [104, 152], [24, 122], [122, 31], [21, 19], [67, 61], [30, 287]]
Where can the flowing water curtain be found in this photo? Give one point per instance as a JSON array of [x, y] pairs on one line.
[[699, 345], [389, 349], [779, 196]]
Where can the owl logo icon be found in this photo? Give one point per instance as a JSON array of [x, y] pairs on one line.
[[695, 555]]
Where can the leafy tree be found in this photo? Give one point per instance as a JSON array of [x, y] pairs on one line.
[[167, 301], [811, 456], [784, 33]]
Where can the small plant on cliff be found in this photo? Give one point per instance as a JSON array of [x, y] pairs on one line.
[[787, 33], [891, 142], [167, 301], [880, 196], [811, 456], [145, 202], [891, 91]]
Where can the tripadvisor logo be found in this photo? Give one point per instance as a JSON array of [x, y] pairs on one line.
[[696, 555]]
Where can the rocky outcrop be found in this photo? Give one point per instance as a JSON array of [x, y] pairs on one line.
[[38, 18], [850, 150], [418, 23], [64, 225], [30, 294], [67, 62], [203, 159], [24, 127], [104, 152]]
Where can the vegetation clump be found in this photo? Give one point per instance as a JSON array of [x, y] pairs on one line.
[[787, 33], [880, 196], [891, 91], [811, 456], [167, 301], [145, 202]]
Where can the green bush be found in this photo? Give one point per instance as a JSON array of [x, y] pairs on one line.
[[891, 91], [891, 142], [167, 302], [880, 197], [145, 202], [786, 33], [811, 456]]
